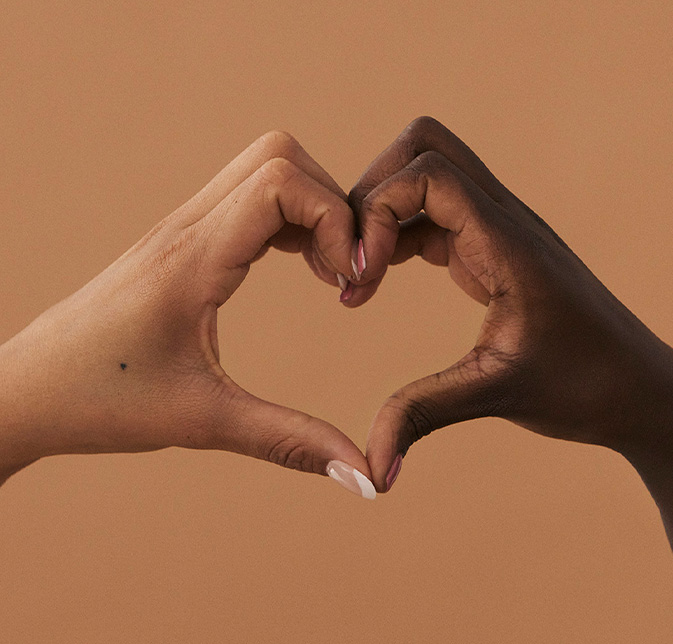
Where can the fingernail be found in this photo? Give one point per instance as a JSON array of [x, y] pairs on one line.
[[355, 258], [347, 294], [343, 282], [350, 478], [362, 262], [394, 471]]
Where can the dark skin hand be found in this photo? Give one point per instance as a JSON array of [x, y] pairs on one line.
[[557, 353]]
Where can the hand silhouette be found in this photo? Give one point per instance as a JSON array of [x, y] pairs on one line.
[[131, 361], [557, 353]]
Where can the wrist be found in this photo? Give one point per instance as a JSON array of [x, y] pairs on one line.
[[647, 439], [648, 409], [23, 416]]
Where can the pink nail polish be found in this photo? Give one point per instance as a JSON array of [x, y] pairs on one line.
[[394, 471], [362, 262], [355, 259], [347, 294]]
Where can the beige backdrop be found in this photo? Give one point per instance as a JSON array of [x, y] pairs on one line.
[[113, 114]]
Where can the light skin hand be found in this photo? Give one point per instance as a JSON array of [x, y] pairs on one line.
[[557, 353], [131, 362]]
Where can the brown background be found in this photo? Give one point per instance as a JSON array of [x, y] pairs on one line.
[[113, 114]]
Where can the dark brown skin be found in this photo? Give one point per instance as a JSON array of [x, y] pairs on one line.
[[557, 353]]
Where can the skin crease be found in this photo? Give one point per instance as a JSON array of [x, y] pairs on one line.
[[557, 353], [63, 386]]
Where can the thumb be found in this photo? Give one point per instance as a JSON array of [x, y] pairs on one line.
[[461, 392], [293, 439]]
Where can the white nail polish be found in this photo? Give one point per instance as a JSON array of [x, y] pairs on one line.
[[350, 478], [362, 262], [343, 282]]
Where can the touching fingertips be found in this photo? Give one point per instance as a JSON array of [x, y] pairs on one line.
[[351, 479], [346, 293], [394, 472]]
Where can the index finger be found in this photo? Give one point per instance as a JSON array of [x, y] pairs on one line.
[[425, 134], [273, 144], [235, 231], [379, 230]]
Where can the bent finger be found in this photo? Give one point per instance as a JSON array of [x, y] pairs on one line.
[[425, 134], [463, 392], [274, 144], [279, 192], [417, 236], [254, 427], [422, 237], [452, 201]]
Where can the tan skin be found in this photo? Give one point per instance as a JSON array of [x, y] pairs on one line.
[[557, 353], [130, 362]]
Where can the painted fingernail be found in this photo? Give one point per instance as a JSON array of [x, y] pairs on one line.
[[355, 258], [362, 262], [394, 471], [343, 282], [350, 478], [347, 294]]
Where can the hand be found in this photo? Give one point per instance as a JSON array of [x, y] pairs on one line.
[[557, 352], [131, 361]]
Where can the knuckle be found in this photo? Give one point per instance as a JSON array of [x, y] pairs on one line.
[[423, 124], [278, 143], [431, 161], [430, 164], [435, 165], [331, 247], [358, 194], [287, 452], [277, 171], [368, 200], [418, 419], [378, 213], [420, 130]]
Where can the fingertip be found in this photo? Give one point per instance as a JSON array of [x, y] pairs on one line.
[[331, 445], [289, 437], [346, 293], [383, 460], [393, 472], [375, 248], [351, 479], [386, 445], [334, 234], [358, 294], [384, 468]]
